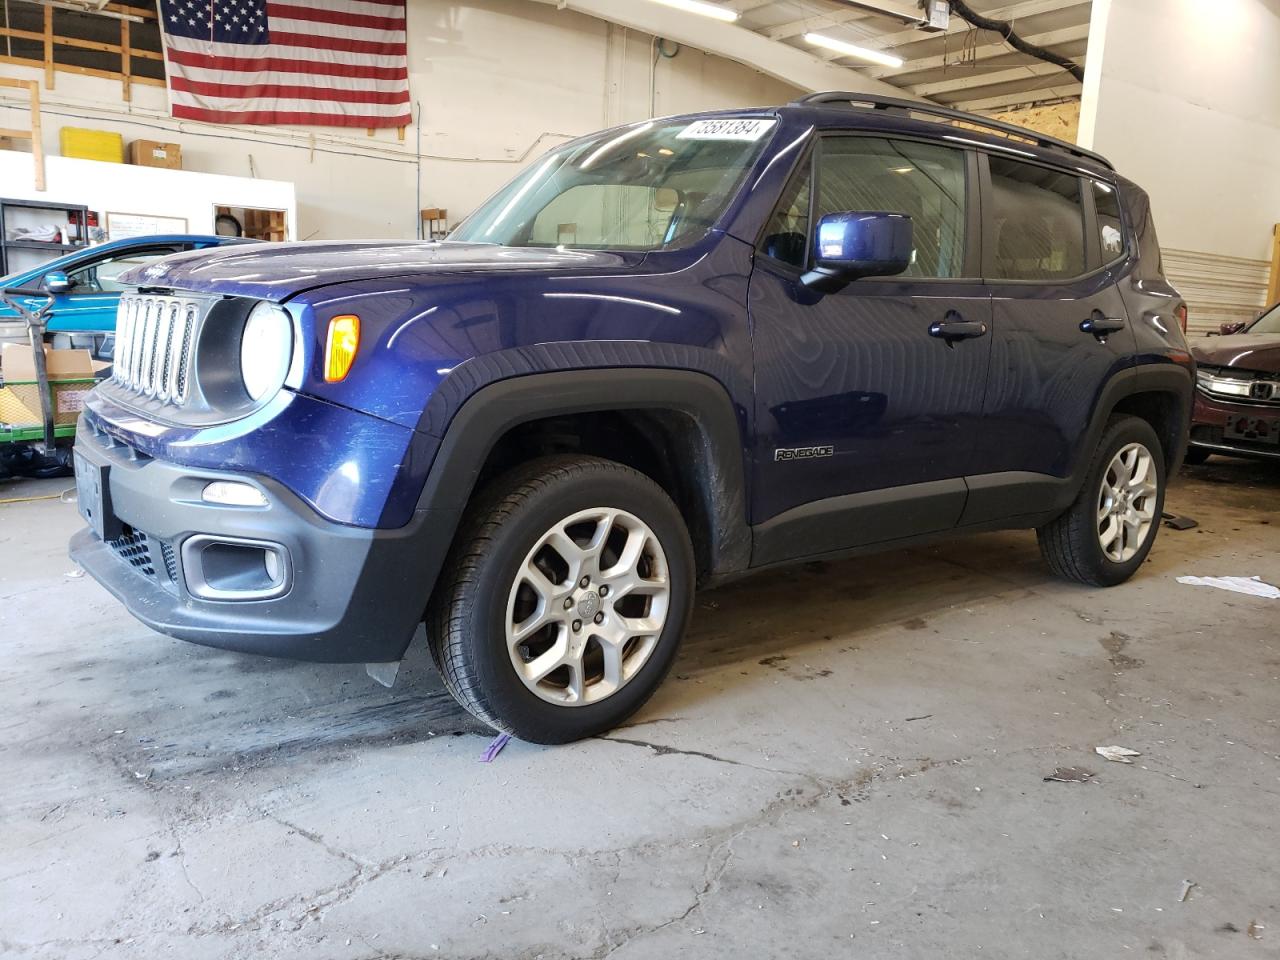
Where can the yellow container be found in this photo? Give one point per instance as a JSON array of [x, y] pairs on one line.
[[92, 144]]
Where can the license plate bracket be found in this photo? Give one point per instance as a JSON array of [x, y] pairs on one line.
[[93, 497], [1253, 428]]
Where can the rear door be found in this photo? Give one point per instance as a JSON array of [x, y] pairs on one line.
[[867, 422], [1060, 331]]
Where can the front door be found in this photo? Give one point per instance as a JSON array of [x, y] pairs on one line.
[[867, 410]]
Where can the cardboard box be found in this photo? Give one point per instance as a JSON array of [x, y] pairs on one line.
[[20, 395], [92, 144], [17, 363], [151, 153]]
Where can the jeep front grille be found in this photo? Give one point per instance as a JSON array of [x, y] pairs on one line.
[[155, 345]]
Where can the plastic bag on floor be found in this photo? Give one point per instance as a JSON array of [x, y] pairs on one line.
[[1254, 586]]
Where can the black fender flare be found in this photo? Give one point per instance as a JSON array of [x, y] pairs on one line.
[[1159, 378], [489, 412]]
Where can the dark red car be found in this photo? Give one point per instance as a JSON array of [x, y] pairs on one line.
[[1237, 405]]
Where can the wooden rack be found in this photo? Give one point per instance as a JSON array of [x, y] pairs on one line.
[[1273, 281], [34, 133], [123, 50]]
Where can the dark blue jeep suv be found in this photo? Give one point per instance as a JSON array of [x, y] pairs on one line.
[[665, 355]]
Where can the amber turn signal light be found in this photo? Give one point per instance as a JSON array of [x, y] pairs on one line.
[[340, 347]]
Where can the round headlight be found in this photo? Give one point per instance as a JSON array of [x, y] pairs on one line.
[[266, 350]]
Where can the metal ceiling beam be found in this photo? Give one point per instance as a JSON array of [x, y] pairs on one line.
[[795, 28], [907, 13], [1015, 11], [779, 60], [1018, 98], [974, 80], [1050, 38]]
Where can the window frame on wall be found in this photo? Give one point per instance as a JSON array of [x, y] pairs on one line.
[[808, 165], [62, 47]]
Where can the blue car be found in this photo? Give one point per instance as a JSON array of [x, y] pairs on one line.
[[666, 355], [96, 277]]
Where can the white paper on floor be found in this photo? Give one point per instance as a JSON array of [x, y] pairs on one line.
[[1254, 586]]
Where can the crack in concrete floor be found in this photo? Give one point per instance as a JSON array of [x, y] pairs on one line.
[[748, 785]]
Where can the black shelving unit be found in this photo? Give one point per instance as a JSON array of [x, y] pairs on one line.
[[55, 250]]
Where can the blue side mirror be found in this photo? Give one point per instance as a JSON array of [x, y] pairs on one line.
[[56, 282], [852, 245]]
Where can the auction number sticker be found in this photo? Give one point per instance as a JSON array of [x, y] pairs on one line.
[[727, 128]]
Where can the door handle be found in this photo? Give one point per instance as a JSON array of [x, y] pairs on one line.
[[1100, 325], [954, 327]]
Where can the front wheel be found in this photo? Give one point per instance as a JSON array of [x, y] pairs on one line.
[[571, 585], [1104, 536]]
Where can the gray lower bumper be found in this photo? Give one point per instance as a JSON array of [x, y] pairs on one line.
[[355, 595]]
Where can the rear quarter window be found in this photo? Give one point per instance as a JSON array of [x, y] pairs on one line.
[[1106, 205]]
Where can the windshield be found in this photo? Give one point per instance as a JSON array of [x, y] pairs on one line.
[[1269, 322], [651, 186]]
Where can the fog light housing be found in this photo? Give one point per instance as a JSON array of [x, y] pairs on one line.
[[232, 493], [233, 568]]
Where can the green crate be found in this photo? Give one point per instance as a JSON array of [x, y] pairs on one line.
[[20, 417]]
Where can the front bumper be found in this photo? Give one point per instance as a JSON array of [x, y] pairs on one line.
[[354, 595], [1209, 419]]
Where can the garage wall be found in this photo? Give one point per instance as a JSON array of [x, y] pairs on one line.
[[1184, 97], [497, 82]]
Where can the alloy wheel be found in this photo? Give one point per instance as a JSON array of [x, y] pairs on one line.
[[1127, 502], [587, 606]]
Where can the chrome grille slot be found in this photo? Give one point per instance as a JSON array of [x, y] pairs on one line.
[[156, 343]]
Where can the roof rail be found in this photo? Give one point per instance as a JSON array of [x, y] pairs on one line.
[[987, 124]]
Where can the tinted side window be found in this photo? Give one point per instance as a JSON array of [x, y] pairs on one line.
[[1038, 222], [103, 276], [1106, 204], [896, 176], [786, 238]]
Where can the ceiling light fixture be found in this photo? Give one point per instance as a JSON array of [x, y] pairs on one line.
[[703, 9], [853, 50]]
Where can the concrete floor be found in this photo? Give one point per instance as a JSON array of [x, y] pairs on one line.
[[848, 760]]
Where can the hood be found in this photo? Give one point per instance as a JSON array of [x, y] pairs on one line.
[[278, 271], [1244, 351]]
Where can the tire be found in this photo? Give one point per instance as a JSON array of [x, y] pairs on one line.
[[1196, 456], [1072, 544], [491, 593]]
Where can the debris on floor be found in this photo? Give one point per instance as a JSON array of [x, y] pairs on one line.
[[1175, 522], [1117, 754], [495, 747], [1186, 891], [1255, 930], [1070, 775], [1254, 586]]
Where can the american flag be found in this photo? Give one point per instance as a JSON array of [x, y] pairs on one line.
[[322, 63]]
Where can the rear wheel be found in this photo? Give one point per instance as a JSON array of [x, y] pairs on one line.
[[1105, 535], [572, 584]]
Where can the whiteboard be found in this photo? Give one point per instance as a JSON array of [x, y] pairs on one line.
[[122, 226]]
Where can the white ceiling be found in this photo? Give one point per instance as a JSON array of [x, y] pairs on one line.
[[966, 68]]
